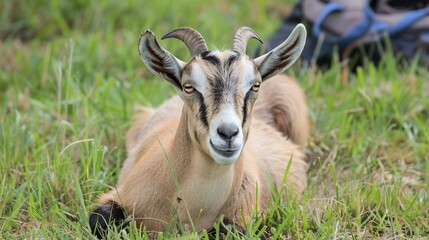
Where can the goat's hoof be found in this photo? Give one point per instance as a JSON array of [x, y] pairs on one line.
[[105, 215], [229, 227], [226, 227]]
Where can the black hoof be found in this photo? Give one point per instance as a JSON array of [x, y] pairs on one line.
[[227, 226], [105, 215], [224, 228]]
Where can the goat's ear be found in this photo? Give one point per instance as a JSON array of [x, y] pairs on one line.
[[158, 60], [284, 55]]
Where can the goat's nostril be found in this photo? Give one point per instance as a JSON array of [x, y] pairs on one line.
[[227, 132]]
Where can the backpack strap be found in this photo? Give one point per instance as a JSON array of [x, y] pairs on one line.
[[343, 21], [327, 10]]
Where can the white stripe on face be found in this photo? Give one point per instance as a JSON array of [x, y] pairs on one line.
[[199, 79], [249, 75]]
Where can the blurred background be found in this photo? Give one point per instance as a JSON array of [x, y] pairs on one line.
[[37, 34]]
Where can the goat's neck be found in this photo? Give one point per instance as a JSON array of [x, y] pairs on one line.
[[206, 185]]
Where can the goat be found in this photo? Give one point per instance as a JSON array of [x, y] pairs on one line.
[[213, 150]]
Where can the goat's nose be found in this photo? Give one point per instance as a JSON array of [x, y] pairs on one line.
[[227, 131]]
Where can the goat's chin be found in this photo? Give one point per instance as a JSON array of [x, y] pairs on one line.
[[224, 157], [224, 160]]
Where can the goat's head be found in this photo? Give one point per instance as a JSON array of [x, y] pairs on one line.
[[219, 88]]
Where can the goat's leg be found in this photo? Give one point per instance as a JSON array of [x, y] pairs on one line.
[[104, 216], [225, 227]]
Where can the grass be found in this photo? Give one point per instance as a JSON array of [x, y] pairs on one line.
[[70, 78]]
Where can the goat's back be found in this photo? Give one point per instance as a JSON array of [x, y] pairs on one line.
[[281, 103], [151, 118]]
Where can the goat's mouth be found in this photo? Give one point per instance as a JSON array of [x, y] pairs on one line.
[[225, 152]]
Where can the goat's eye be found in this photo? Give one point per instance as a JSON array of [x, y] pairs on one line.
[[188, 88], [256, 86]]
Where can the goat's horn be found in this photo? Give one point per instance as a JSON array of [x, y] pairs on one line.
[[193, 39], [241, 38]]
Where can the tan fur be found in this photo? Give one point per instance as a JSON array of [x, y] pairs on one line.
[[288, 110], [160, 152]]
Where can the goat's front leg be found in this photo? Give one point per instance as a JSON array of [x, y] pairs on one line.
[[104, 216], [225, 227]]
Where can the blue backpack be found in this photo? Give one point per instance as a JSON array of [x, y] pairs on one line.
[[358, 29]]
